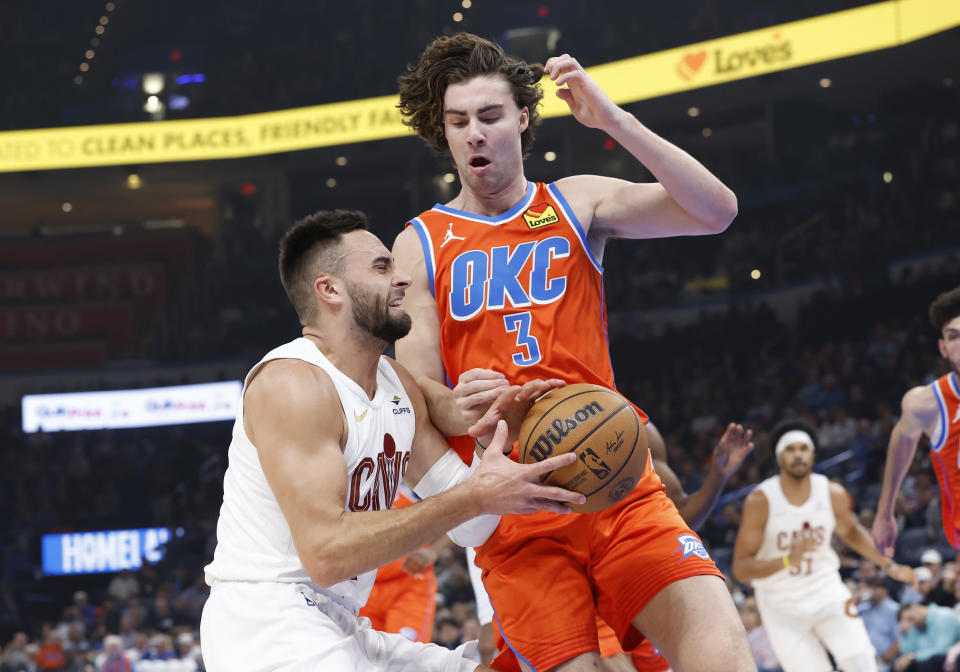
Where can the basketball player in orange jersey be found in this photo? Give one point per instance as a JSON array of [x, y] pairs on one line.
[[404, 595], [522, 294], [934, 411]]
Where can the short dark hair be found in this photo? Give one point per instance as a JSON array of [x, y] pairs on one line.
[[785, 426], [944, 308], [455, 59], [309, 248]]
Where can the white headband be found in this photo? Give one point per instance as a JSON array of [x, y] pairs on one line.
[[793, 436]]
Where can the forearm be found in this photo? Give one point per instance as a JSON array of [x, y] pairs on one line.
[[900, 453], [696, 507], [694, 188], [361, 541], [859, 539], [442, 406], [748, 569]]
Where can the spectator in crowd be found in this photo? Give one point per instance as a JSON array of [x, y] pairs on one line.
[[879, 613], [932, 560], [447, 632], [16, 657], [140, 648], [114, 657], [50, 656], [918, 593], [124, 586], [85, 611], [929, 631]]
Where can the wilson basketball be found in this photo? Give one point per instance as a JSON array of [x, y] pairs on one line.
[[602, 428]]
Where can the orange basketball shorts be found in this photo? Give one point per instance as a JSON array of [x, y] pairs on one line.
[[548, 575], [404, 604]]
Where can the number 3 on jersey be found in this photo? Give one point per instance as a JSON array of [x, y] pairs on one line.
[[520, 323]]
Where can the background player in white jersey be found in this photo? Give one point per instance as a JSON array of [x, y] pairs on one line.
[[783, 548], [327, 427]]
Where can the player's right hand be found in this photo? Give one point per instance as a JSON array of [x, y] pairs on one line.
[[512, 405], [504, 486], [799, 548], [885, 533], [476, 390]]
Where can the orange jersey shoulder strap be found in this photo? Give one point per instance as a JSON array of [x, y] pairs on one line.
[[947, 392]]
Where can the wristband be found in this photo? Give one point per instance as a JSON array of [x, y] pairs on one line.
[[786, 560]]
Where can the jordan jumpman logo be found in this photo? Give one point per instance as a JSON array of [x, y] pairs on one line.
[[450, 235]]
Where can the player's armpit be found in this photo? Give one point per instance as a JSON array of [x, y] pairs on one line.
[[919, 412]]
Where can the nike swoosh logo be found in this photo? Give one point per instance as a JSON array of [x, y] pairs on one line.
[[360, 416]]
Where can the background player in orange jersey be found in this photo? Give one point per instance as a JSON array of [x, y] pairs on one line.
[[404, 595], [933, 411], [507, 276]]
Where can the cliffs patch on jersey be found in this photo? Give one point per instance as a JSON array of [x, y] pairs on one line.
[[539, 215]]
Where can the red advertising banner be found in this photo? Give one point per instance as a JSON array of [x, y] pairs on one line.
[[113, 320], [144, 283], [40, 356], [174, 247]]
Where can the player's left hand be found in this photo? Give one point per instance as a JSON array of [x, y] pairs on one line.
[[512, 405], [587, 101], [419, 561], [732, 449], [901, 573]]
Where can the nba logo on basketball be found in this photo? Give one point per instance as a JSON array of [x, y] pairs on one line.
[[690, 545], [540, 215]]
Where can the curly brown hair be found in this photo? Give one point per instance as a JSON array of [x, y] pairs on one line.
[[944, 308], [458, 58]]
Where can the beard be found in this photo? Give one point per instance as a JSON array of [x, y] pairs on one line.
[[372, 315], [798, 471]]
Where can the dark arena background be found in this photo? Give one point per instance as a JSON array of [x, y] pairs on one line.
[[152, 154]]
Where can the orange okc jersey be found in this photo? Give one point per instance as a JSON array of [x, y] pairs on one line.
[[519, 293], [945, 450]]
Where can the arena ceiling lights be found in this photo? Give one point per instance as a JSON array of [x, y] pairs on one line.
[[757, 52]]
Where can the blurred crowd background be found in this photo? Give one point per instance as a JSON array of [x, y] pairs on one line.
[[813, 304]]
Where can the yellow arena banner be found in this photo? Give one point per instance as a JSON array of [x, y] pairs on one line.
[[757, 52]]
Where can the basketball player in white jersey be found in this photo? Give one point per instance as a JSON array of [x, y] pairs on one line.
[[783, 549], [327, 427]]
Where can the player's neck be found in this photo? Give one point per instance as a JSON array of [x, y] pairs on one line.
[[796, 490], [356, 357], [491, 204]]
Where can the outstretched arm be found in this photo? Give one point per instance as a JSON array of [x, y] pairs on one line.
[[856, 536], [687, 199], [728, 455], [919, 412]]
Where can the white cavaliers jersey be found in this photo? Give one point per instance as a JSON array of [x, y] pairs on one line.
[[254, 542], [787, 523]]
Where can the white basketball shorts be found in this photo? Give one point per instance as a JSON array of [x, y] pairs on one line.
[[289, 627], [799, 630]]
